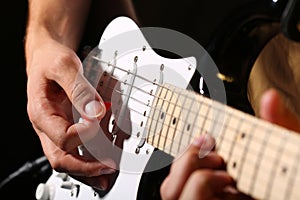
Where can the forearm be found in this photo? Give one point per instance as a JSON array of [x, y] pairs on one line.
[[60, 20]]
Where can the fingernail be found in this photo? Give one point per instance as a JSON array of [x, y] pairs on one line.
[[198, 141], [205, 143], [107, 171], [231, 190], [94, 108], [203, 153]]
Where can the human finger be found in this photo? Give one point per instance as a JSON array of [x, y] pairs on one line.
[[73, 163], [187, 163], [206, 185], [80, 92], [273, 109]]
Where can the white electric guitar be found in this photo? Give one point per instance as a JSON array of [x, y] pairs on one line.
[[152, 105]]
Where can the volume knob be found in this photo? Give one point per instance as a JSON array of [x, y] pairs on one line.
[[44, 192]]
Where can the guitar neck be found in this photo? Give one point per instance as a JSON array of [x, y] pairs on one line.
[[260, 156]]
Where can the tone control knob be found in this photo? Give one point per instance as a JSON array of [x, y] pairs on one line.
[[44, 192]]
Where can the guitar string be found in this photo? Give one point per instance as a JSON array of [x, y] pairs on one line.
[[187, 125], [259, 158], [151, 82], [197, 113], [279, 153], [235, 136], [160, 112], [265, 170], [245, 150], [151, 121], [127, 71], [174, 118], [292, 181], [203, 103], [198, 128], [234, 140], [250, 151], [141, 77]]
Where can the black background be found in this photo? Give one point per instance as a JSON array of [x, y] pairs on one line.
[[19, 143]]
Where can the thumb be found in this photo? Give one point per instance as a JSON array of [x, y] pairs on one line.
[[84, 97], [273, 109]]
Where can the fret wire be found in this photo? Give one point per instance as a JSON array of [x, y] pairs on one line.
[[160, 112], [266, 156], [203, 116], [179, 117], [189, 111], [292, 180], [258, 160], [256, 140], [169, 124], [235, 130], [266, 170], [204, 121], [246, 151], [183, 93], [241, 120], [157, 99], [210, 109], [215, 120], [250, 151], [223, 131], [262, 168], [277, 159]]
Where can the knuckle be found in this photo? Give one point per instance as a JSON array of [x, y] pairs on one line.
[[166, 194], [56, 164], [202, 177], [79, 91], [191, 157], [67, 59], [64, 61], [34, 114], [64, 143]]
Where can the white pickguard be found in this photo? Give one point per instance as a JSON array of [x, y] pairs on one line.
[[124, 45]]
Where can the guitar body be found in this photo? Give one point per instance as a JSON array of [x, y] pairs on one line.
[[125, 54]]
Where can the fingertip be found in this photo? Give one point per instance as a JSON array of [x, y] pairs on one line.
[[272, 107], [203, 140], [205, 144], [221, 180]]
